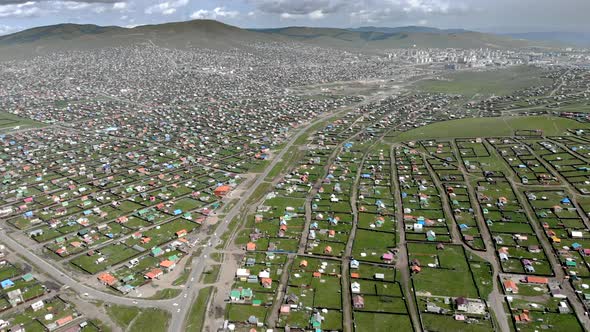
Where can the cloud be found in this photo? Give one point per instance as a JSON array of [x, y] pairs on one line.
[[26, 9], [166, 7], [363, 10], [301, 7], [5, 29], [15, 2], [120, 6], [219, 12], [418, 10]]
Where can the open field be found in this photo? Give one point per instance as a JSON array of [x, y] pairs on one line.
[[486, 83], [10, 121], [490, 127]]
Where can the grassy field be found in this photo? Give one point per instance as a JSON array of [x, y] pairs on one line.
[[139, 320], [486, 83], [166, 293], [10, 121], [489, 127], [198, 311]]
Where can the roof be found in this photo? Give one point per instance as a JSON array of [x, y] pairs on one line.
[[107, 278], [537, 280], [167, 264]]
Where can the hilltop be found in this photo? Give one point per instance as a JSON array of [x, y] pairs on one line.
[[196, 33]]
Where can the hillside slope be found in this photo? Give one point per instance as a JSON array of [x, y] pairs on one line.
[[216, 35]]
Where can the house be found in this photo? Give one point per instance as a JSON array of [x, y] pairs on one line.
[[63, 321], [355, 287], [266, 282], [358, 302], [510, 286], [537, 280], [285, 309], [154, 274], [37, 305], [234, 295], [354, 264], [242, 274], [303, 263], [157, 252], [461, 303], [107, 279], [292, 299], [563, 308], [7, 283], [181, 233], [167, 265], [328, 250], [534, 248], [222, 191], [387, 257], [250, 246]]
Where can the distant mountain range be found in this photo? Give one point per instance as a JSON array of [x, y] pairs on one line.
[[217, 35], [581, 39], [411, 28], [403, 37]]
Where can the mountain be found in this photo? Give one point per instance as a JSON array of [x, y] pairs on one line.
[[196, 33], [404, 37], [216, 35], [407, 29], [581, 39]]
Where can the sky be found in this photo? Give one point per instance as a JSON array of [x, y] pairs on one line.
[[500, 16]]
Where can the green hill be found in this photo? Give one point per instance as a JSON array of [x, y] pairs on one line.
[[398, 38], [216, 35]]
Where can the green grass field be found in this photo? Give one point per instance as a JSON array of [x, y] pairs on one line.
[[10, 121], [489, 127], [198, 310], [139, 320], [486, 83]]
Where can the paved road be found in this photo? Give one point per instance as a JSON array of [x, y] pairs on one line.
[[64, 278], [179, 315]]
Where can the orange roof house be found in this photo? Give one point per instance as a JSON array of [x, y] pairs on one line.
[[510, 286], [317, 274], [107, 279], [63, 321], [251, 246], [328, 250], [355, 275], [154, 274], [181, 233], [167, 264], [221, 191], [537, 280], [266, 282]]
